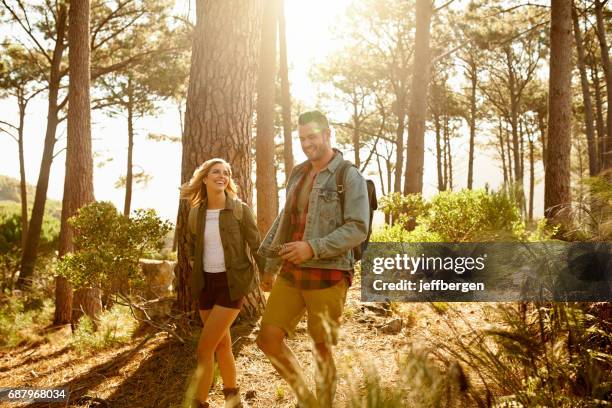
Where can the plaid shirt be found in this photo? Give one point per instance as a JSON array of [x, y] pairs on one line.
[[307, 278]]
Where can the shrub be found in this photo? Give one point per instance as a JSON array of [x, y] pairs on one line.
[[10, 241], [21, 316], [108, 246], [113, 327], [464, 216], [472, 216], [555, 355]]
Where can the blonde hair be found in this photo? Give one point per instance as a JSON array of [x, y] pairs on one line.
[[195, 191]]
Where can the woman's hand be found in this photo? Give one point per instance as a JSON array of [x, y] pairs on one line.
[[267, 280]]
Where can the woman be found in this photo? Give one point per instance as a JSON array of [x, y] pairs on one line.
[[223, 271]]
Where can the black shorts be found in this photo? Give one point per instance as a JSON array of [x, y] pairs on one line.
[[216, 292]]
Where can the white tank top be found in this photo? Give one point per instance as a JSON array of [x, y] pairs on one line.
[[214, 259]]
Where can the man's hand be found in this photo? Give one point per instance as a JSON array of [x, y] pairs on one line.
[[267, 280], [296, 252]]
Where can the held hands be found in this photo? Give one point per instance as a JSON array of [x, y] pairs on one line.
[[296, 252], [267, 280]]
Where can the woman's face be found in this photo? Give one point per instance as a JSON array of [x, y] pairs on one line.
[[217, 178]]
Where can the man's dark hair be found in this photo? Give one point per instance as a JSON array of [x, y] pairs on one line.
[[314, 116]]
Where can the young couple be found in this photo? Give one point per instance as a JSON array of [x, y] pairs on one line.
[[305, 260]]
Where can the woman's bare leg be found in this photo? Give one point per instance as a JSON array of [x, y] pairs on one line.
[[216, 325]]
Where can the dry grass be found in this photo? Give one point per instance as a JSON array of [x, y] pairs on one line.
[[153, 370]]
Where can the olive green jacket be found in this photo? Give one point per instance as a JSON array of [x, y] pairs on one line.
[[240, 240]]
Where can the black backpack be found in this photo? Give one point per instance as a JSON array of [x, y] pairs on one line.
[[372, 201]]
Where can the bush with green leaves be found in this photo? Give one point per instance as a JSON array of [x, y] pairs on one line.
[[22, 316], [113, 327], [108, 246], [473, 215], [463, 216], [10, 241]]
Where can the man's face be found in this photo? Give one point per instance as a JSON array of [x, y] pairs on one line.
[[314, 140]]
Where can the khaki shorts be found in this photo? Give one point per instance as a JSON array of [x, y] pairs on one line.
[[286, 306]]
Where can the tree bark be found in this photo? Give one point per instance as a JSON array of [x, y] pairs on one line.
[[474, 83], [129, 175], [599, 119], [441, 186], [87, 301], [449, 155], [557, 196], [78, 181], [267, 193], [415, 150], [399, 141], [28, 258], [607, 69], [285, 91], [219, 113], [586, 98], [22, 176], [502, 151], [531, 178]]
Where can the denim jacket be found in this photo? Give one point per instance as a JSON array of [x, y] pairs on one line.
[[330, 236]]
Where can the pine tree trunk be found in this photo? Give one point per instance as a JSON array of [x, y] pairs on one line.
[[78, 181], [399, 141], [449, 156], [586, 99], [415, 151], [531, 178], [130, 153], [502, 150], [28, 258], [439, 163], [445, 154], [267, 199], [356, 136], [380, 173], [607, 69], [88, 302], [543, 131], [511, 177], [22, 176], [219, 113], [474, 83], [599, 119], [557, 177], [285, 91]]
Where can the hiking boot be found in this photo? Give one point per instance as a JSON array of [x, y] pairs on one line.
[[198, 404], [232, 398]]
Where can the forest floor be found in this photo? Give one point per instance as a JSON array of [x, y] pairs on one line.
[[154, 369]]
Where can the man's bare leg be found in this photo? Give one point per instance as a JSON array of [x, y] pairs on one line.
[[326, 374], [271, 340]]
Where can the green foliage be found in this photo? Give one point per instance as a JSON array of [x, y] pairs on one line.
[[109, 245], [10, 241], [464, 216], [404, 209], [20, 316], [472, 216], [114, 327]]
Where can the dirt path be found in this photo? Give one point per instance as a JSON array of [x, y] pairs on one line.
[[154, 371]]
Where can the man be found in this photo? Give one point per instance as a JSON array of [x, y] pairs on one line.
[[310, 247]]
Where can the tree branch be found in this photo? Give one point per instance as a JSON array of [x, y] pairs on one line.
[[26, 28]]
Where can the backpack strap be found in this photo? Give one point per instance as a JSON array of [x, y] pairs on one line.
[[340, 177]]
